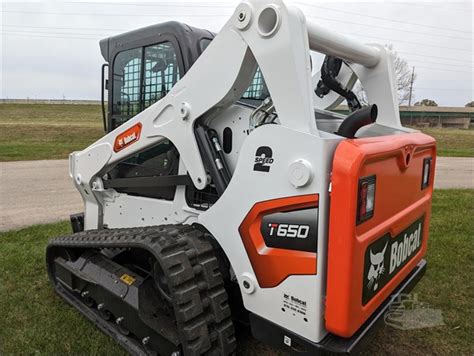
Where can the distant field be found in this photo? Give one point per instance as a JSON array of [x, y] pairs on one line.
[[36, 321], [453, 142], [49, 131], [45, 131]]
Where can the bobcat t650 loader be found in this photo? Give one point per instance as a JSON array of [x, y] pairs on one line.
[[225, 190]]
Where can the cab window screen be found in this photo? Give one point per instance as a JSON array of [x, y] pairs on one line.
[[126, 83], [158, 64], [257, 89], [161, 72]]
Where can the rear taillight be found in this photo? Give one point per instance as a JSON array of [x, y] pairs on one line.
[[425, 180], [366, 199]]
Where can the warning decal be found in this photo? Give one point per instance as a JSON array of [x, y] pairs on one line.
[[127, 279]]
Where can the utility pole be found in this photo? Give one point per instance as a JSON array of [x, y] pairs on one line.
[[411, 85]]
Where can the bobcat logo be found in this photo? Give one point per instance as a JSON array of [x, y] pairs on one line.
[[377, 268]]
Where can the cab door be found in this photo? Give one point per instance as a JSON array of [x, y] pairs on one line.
[[139, 77]]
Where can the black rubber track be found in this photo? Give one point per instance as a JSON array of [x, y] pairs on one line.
[[191, 268]]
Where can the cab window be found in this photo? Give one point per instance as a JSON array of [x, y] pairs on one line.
[[257, 89], [126, 83], [161, 72], [142, 76]]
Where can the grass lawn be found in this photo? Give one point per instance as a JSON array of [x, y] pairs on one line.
[[35, 320], [49, 131], [453, 142]]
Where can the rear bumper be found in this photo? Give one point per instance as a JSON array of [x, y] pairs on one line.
[[275, 335]]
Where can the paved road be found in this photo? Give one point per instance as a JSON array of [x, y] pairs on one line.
[[33, 192], [454, 172]]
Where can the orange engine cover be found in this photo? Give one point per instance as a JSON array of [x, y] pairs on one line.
[[368, 259]]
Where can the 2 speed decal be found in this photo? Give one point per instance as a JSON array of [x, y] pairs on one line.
[[263, 159]]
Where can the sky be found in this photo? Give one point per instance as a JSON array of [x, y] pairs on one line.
[[50, 49]]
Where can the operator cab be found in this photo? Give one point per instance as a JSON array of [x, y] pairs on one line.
[[144, 64]]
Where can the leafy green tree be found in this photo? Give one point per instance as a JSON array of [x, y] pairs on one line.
[[426, 102]]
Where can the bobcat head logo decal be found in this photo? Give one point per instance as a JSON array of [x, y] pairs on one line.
[[376, 269], [385, 258]]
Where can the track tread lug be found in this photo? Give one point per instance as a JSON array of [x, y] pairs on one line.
[[188, 260]]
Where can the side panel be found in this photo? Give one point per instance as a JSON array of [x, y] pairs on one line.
[[368, 258], [273, 265], [249, 187]]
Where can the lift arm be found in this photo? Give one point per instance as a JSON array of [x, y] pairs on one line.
[[263, 33]]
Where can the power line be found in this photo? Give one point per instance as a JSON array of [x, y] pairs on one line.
[[444, 70], [77, 36], [60, 33], [435, 57], [95, 39], [411, 85], [383, 18], [54, 37], [407, 42], [74, 35], [310, 16], [160, 4], [102, 14], [115, 29], [446, 64], [443, 89], [173, 5], [68, 28], [193, 5], [416, 54], [207, 15], [123, 30], [438, 7], [318, 17], [389, 28]]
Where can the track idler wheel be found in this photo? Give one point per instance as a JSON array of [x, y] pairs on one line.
[[87, 299], [121, 327], [103, 312]]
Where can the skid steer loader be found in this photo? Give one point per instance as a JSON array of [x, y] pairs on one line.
[[226, 191]]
